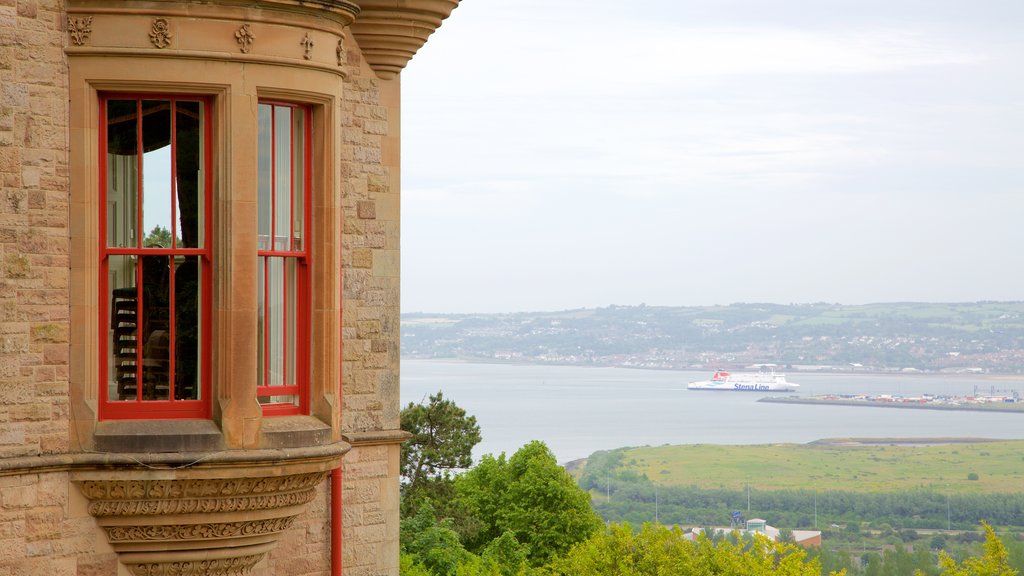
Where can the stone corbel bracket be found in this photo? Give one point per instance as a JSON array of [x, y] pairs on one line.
[[389, 32], [212, 518]]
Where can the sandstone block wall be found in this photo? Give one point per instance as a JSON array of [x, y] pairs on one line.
[[45, 530], [370, 318], [33, 229]]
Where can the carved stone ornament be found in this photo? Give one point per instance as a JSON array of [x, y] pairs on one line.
[[218, 567], [197, 526], [79, 29], [340, 50], [307, 47], [245, 38], [160, 35]]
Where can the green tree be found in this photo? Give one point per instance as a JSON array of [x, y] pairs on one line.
[[664, 551], [994, 561], [442, 441], [530, 496], [431, 545], [158, 236]]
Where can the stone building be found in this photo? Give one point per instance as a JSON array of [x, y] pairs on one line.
[[199, 284]]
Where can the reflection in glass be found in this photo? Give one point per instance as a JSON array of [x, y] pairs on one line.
[[122, 173], [299, 181], [156, 327], [187, 322], [278, 328], [275, 323], [155, 294], [282, 176], [122, 355], [188, 154], [261, 322], [156, 173], [281, 221], [265, 175], [291, 316]]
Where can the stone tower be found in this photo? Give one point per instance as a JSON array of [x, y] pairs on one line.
[[199, 284]]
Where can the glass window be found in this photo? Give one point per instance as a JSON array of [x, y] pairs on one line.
[[155, 262], [283, 333]]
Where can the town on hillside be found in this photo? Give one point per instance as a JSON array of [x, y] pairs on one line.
[[977, 337]]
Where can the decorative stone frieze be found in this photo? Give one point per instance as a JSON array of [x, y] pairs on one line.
[[390, 32], [215, 520], [217, 567]]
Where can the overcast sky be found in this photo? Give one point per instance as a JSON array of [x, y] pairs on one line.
[[566, 154]]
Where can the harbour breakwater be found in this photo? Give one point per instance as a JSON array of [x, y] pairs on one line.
[[1000, 407]]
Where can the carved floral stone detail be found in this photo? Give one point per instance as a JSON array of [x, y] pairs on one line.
[[79, 29], [307, 47], [218, 567], [166, 532], [160, 35], [245, 38], [198, 505], [167, 489], [221, 523]]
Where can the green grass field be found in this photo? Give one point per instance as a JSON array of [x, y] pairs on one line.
[[999, 466]]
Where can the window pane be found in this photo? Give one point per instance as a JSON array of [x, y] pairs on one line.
[[275, 326], [261, 357], [299, 155], [156, 173], [122, 173], [188, 320], [282, 176], [156, 327], [122, 353], [188, 174], [291, 316], [264, 185]]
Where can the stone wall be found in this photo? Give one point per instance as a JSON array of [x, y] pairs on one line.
[[370, 320], [33, 229], [305, 549], [45, 532]]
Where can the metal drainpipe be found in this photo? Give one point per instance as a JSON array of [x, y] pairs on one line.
[[336, 522]]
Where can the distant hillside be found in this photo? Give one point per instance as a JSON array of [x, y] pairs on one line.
[[977, 337]]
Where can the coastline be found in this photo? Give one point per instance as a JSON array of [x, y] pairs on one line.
[[1002, 408], [995, 376]]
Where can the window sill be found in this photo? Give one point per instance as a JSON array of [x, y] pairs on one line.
[[141, 436], [294, 432]]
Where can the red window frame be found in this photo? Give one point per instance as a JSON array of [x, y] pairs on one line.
[[170, 408], [300, 256]]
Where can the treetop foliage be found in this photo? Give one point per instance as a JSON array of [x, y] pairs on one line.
[[443, 437]]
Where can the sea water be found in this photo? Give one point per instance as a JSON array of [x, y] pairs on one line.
[[579, 410]]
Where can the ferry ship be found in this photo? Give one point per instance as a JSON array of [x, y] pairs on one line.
[[764, 381]]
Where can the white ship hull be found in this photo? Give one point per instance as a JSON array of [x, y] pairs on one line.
[[763, 382]]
